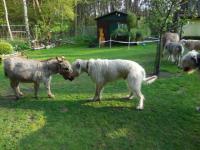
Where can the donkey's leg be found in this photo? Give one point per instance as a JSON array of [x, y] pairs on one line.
[[14, 85], [36, 88], [47, 83]]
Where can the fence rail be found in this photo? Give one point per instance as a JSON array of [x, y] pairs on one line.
[[155, 40]]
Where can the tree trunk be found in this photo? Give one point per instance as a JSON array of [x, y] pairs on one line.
[[26, 22], [75, 18], [7, 20]]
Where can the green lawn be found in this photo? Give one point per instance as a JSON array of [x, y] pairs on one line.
[[169, 120]]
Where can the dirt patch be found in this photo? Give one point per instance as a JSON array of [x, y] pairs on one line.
[[165, 74]]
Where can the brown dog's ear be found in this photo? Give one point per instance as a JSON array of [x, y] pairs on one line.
[[59, 59], [63, 58]]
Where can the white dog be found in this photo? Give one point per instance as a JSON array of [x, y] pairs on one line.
[[102, 71]]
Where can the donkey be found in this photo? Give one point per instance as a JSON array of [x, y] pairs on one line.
[[20, 69]]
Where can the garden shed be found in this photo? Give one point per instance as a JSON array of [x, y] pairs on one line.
[[106, 24], [191, 29]]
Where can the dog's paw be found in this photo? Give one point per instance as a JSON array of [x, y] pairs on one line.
[[36, 97], [51, 96], [17, 98], [140, 107], [96, 99], [198, 109], [128, 97], [21, 94]]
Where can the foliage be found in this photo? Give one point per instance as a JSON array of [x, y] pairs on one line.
[[5, 48], [88, 40], [164, 15], [19, 45], [58, 15], [61, 13], [132, 21], [2, 17], [120, 32], [137, 29], [142, 31]]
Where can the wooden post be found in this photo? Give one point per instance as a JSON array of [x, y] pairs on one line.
[[110, 42], [158, 55], [129, 40], [99, 43]]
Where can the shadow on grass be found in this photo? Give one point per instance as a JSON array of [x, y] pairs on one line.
[[71, 124]]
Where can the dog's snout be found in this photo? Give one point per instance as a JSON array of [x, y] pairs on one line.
[[71, 70], [71, 78]]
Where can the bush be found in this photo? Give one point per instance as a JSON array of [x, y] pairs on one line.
[[137, 29], [5, 48], [91, 41], [19, 45], [132, 21], [120, 32], [141, 32]]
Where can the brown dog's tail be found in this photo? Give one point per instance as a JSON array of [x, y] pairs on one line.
[[150, 80]]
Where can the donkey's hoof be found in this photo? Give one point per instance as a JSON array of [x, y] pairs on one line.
[[51, 96]]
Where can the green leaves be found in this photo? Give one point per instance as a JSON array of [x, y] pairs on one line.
[[5, 48], [131, 21]]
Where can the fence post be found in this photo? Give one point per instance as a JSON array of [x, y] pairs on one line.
[[158, 59], [129, 40], [110, 42]]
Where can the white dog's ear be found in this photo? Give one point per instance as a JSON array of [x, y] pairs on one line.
[[78, 65]]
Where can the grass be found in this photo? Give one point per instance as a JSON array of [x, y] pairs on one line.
[[69, 122]]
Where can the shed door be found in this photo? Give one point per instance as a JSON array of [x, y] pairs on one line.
[[112, 28], [101, 34]]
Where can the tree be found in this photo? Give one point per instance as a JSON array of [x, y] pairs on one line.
[[7, 20], [26, 22], [131, 21], [161, 19]]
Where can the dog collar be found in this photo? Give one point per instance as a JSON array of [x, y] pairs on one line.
[[87, 67]]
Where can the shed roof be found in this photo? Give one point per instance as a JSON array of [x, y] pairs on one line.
[[112, 13]]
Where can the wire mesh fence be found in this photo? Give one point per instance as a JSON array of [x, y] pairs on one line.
[[18, 32], [148, 48]]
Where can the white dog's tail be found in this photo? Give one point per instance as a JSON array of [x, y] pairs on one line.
[[150, 80]]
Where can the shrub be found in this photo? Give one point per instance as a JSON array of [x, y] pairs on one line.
[[19, 45], [5, 48], [140, 33], [132, 21], [90, 41], [137, 29], [93, 42], [120, 32]]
